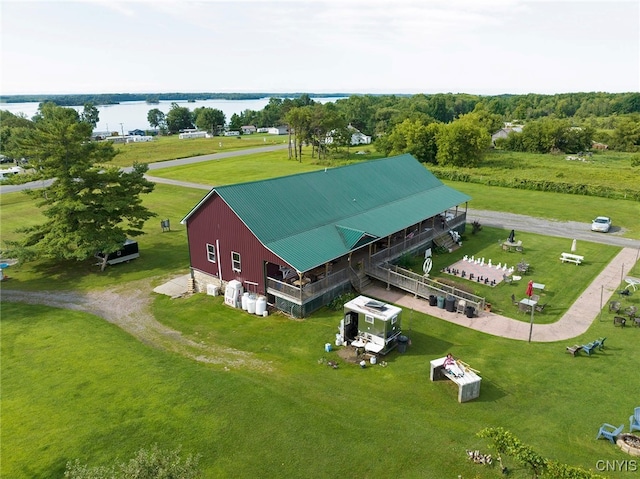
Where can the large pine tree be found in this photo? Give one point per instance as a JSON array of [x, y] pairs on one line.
[[89, 207]]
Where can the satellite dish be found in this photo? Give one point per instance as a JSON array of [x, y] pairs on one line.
[[427, 265]]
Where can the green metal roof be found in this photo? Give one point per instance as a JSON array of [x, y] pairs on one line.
[[311, 218]]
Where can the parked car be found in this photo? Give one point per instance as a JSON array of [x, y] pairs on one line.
[[601, 224]]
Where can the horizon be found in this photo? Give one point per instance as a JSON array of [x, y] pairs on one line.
[[482, 47]]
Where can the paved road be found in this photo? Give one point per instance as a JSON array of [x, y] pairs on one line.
[[164, 164], [507, 221]]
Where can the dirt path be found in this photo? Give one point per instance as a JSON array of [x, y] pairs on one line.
[[129, 307]]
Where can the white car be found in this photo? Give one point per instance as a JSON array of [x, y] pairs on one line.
[[601, 224]]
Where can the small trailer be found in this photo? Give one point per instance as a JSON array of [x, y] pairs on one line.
[[371, 324], [128, 252]]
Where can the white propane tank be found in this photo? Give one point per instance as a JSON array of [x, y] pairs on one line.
[[245, 296], [251, 305], [261, 305]]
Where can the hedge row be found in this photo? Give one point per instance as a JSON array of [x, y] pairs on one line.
[[539, 185]]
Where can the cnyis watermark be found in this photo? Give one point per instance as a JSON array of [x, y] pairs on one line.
[[626, 465]]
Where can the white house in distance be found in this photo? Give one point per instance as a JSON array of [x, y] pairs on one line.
[[278, 130], [357, 137], [248, 129]]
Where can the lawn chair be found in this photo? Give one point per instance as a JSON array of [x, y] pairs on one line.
[[574, 350], [600, 343], [614, 306], [619, 321], [540, 307], [514, 300], [609, 432], [634, 421], [535, 297], [588, 348]]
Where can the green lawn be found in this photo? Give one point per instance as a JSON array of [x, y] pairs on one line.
[[563, 282], [165, 148], [75, 386]]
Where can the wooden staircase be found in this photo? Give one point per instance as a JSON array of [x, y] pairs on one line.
[[359, 280], [445, 241]]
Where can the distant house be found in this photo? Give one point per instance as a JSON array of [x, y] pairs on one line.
[[262, 130], [248, 129], [231, 133], [357, 137], [278, 130], [504, 132], [299, 240]]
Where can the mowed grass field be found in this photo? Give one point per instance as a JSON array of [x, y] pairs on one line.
[[74, 386]]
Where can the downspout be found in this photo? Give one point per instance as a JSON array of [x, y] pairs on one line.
[[218, 258]]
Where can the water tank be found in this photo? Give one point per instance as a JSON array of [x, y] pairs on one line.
[[261, 305], [251, 304]]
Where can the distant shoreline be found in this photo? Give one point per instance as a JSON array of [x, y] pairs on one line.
[[151, 98]]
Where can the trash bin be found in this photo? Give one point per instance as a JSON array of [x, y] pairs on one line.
[[433, 300], [450, 304], [441, 302], [402, 344], [469, 311]]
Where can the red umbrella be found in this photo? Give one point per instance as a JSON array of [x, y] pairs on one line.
[[530, 288]]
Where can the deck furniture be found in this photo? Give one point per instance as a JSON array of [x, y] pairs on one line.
[[540, 307], [619, 321], [634, 420], [574, 350], [614, 306], [632, 282], [588, 348], [507, 279], [600, 343], [514, 300], [609, 432], [468, 383], [509, 245], [526, 304], [571, 258]]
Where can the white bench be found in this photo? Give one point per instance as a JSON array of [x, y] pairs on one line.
[[468, 384], [571, 258]]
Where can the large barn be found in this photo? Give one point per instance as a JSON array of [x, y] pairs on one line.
[[302, 240]]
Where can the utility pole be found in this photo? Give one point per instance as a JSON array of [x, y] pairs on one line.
[[122, 129]]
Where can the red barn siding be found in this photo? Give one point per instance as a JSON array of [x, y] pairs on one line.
[[215, 221]]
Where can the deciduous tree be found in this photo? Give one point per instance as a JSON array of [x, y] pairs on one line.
[[462, 142]]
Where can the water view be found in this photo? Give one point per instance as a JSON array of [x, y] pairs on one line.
[[132, 115]]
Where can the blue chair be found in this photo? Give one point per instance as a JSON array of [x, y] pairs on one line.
[[609, 432], [634, 421], [589, 348]]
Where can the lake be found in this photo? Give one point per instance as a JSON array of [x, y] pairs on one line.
[[132, 115]]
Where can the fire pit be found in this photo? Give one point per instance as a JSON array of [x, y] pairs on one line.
[[629, 443]]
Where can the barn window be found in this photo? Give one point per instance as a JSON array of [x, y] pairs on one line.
[[211, 253], [235, 261]]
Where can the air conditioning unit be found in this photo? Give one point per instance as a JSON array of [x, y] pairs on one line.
[[212, 289]]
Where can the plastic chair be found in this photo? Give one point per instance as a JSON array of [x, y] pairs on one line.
[[609, 432], [634, 421]]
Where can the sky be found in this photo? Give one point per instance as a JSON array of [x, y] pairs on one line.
[[485, 47]]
